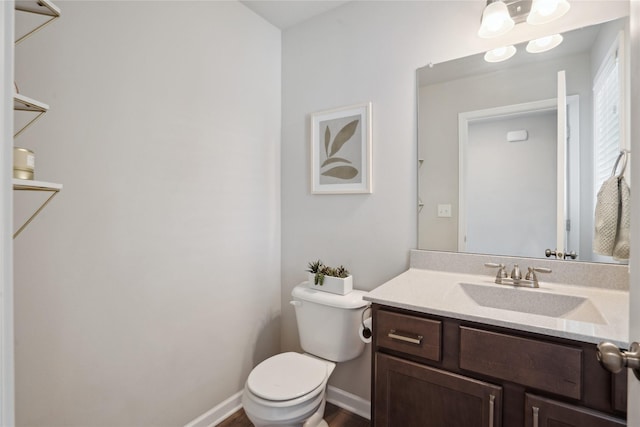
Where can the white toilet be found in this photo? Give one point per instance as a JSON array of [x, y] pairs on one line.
[[288, 389]]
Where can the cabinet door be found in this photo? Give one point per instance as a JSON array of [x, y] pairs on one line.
[[409, 394], [541, 412]]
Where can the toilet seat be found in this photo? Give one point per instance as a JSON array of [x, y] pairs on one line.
[[287, 376]]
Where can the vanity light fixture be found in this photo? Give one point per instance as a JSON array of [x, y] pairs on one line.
[[543, 11], [500, 54], [544, 44], [500, 16]]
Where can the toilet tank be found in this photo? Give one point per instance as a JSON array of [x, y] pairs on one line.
[[328, 323]]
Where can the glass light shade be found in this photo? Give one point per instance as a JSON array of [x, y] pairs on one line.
[[500, 54], [496, 20], [543, 11], [544, 44]]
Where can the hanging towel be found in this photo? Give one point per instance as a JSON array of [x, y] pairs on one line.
[[606, 217], [621, 247]]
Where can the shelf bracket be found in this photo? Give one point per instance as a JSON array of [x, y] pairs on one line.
[[38, 28], [42, 206], [39, 7], [29, 123], [29, 105]]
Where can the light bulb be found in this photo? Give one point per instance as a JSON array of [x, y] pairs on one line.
[[544, 44], [543, 11], [500, 54], [496, 20]]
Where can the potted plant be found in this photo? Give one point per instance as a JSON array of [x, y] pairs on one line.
[[336, 280]]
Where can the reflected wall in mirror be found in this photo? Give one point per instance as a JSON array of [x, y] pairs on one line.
[[493, 178]]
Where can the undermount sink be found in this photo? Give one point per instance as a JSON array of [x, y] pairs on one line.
[[530, 301]]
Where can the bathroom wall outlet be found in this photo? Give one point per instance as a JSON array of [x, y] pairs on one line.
[[444, 211]]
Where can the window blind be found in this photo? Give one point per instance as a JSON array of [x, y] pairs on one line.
[[606, 97]]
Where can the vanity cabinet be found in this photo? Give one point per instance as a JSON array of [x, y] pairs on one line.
[[541, 412], [431, 371], [411, 394]]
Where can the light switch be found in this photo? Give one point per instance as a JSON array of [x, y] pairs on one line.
[[444, 211]]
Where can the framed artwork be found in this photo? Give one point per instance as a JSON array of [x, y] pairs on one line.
[[341, 150]]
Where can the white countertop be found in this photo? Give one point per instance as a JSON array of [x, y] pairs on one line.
[[440, 293]]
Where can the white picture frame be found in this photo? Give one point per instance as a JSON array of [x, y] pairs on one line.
[[341, 150]]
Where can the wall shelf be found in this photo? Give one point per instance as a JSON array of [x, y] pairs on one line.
[[24, 103], [50, 12], [30, 185], [38, 7]]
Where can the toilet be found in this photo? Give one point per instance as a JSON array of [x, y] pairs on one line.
[[289, 389]]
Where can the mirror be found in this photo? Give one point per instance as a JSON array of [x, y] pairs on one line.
[[492, 177]]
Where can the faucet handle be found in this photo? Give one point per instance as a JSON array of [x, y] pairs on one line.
[[501, 268], [531, 274], [502, 271]]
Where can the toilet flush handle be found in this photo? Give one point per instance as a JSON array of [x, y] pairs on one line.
[[296, 303]]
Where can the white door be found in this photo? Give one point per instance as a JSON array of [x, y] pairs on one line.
[[561, 182], [634, 309], [517, 177], [6, 212]]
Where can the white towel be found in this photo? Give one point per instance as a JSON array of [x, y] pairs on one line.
[[606, 217], [621, 248]]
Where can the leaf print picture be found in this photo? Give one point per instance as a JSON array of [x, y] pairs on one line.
[[341, 150], [333, 166]]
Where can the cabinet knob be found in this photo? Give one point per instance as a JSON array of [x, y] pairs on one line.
[[614, 359]]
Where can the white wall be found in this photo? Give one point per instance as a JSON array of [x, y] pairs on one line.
[[150, 286], [369, 51]]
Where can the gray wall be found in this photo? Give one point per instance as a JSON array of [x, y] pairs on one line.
[[369, 51], [149, 288]]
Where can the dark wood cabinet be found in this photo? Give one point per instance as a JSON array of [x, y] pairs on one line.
[[432, 371], [541, 412], [409, 394]]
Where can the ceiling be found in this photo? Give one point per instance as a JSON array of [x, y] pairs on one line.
[[287, 13]]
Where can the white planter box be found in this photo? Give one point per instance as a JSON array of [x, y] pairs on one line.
[[334, 285]]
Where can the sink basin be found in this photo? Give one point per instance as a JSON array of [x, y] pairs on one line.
[[530, 301]]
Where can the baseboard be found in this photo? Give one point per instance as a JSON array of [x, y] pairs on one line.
[[348, 401], [343, 399], [219, 413]]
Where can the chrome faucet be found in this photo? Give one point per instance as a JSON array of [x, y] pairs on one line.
[[516, 275], [502, 272], [515, 278]]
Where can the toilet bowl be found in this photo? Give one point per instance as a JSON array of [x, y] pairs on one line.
[[287, 390]]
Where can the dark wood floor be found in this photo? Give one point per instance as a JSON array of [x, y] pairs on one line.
[[335, 416]]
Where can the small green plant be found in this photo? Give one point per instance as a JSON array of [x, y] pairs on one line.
[[320, 270]]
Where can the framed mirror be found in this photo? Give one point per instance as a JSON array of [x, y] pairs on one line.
[[493, 178]]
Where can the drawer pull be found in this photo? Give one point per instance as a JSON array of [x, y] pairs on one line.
[[394, 336], [492, 399], [535, 416]]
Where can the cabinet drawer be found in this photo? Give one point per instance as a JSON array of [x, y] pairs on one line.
[[409, 334], [545, 366]]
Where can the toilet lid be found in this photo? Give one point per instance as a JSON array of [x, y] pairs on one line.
[[286, 376]]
